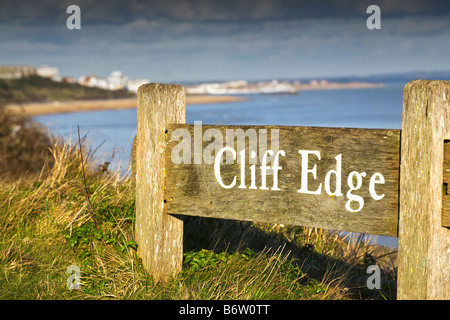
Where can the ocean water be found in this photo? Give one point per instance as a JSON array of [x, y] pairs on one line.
[[112, 132]]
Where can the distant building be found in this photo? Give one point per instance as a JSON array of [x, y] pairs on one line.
[[16, 71], [68, 79], [48, 72], [133, 85], [94, 81], [117, 80]]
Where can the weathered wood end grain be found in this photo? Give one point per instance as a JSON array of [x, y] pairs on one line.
[[159, 235], [192, 189], [424, 245]]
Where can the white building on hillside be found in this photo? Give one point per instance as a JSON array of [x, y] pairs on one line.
[[117, 80], [48, 72], [16, 71]]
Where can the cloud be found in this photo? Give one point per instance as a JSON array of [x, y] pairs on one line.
[[27, 47], [122, 12], [218, 39]]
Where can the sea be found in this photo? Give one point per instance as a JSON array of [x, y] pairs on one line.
[[111, 132]]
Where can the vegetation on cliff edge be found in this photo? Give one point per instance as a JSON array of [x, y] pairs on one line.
[[38, 89]]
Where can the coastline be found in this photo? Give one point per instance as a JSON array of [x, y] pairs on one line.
[[340, 86], [60, 107], [46, 108]]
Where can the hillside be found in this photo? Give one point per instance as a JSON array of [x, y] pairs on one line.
[[38, 89]]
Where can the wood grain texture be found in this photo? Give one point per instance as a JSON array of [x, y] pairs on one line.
[[424, 245], [192, 189], [133, 159], [159, 235], [446, 187]]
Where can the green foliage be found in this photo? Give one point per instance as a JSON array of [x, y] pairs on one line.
[[104, 230], [206, 259], [203, 259], [313, 287], [108, 213]]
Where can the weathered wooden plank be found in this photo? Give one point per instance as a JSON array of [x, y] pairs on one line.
[[193, 189], [424, 245], [446, 186], [159, 235]]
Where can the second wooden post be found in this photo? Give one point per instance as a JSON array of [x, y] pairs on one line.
[[424, 241]]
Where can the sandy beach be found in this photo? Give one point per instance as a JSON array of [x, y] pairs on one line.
[[37, 109]]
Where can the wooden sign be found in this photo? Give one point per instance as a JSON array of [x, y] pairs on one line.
[[331, 178], [382, 182]]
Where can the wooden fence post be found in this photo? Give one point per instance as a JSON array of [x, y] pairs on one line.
[[159, 235], [424, 243]]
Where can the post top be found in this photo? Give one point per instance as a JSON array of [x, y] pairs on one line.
[[427, 83], [160, 87]]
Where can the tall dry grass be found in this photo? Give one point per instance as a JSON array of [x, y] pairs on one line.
[[40, 212]]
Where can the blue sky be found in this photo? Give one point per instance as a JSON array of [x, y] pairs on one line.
[[168, 41]]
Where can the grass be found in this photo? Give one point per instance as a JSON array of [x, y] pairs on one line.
[[80, 214]]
